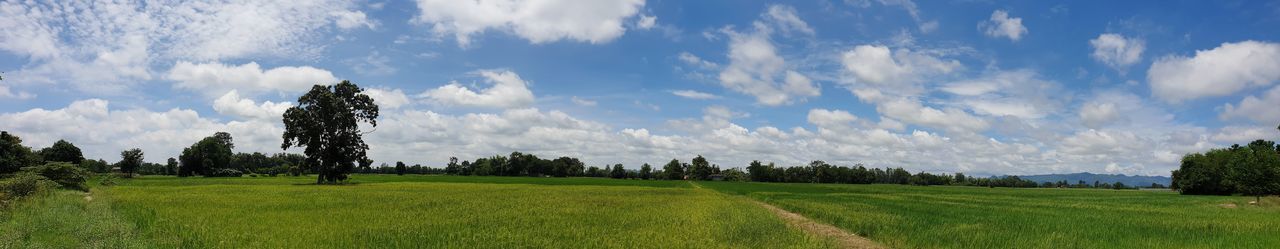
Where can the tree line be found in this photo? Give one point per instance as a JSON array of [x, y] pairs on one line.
[[1252, 170]]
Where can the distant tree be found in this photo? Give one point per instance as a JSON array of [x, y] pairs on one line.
[[673, 170], [699, 169], [96, 166], [959, 178], [13, 155], [646, 171], [735, 175], [452, 167], [618, 172], [207, 155], [400, 168], [130, 160], [326, 122], [171, 166], [62, 151]]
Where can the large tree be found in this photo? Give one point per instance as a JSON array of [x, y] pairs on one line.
[[326, 122], [130, 160], [699, 169], [674, 170], [207, 155], [14, 156], [62, 151]]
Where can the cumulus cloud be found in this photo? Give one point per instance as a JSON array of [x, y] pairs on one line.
[[387, 98], [102, 132], [216, 79], [877, 65], [1220, 71], [536, 21], [346, 19], [756, 69], [1245, 134], [1264, 109], [1116, 51], [912, 111], [1002, 25], [232, 104], [508, 91], [694, 60], [1095, 114], [5, 92], [1017, 93], [691, 94]]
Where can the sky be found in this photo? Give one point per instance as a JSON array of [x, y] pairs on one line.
[[980, 87]]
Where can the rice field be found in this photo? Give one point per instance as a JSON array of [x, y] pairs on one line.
[[386, 211], [399, 212], [973, 217]]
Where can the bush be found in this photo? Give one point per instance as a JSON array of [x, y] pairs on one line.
[[24, 184], [108, 180], [65, 174], [225, 173]]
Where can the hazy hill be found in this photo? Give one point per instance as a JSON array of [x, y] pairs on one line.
[[1107, 178]]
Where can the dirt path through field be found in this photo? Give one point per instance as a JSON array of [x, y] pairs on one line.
[[845, 239]]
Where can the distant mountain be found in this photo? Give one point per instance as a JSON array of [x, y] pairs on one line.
[[1106, 178]]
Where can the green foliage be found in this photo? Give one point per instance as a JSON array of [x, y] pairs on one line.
[[96, 166], [618, 172], [130, 161], [401, 168], [13, 155], [207, 155], [673, 170], [735, 175], [326, 122], [646, 171], [65, 174], [67, 219], [62, 151], [1251, 170], [699, 169], [23, 185]]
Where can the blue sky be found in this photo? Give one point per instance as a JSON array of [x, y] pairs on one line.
[[980, 87]]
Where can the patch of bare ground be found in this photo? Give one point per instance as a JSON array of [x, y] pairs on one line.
[[843, 238]]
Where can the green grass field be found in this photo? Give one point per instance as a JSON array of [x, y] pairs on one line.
[[973, 217], [384, 211], [399, 212]]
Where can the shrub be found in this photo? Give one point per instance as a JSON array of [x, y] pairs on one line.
[[225, 173], [108, 180], [24, 184], [65, 174]]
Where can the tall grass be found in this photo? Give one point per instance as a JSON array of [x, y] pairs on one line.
[[971, 217]]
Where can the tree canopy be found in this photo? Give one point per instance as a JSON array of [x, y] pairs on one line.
[[130, 160], [62, 151], [206, 155], [13, 155], [1251, 170], [326, 123]]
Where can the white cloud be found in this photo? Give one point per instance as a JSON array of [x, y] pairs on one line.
[[1245, 134], [215, 79], [353, 19], [691, 94], [786, 19], [582, 102], [537, 21], [107, 47], [1018, 93], [1095, 115], [646, 22], [908, 5], [1220, 71], [1264, 109], [232, 104], [755, 69], [508, 91], [388, 98], [1116, 51], [875, 64], [951, 119], [696, 61], [10, 94], [1095, 142], [829, 118], [1001, 25], [102, 132]]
